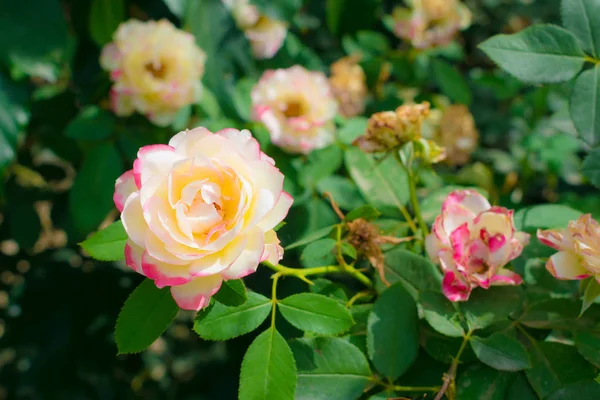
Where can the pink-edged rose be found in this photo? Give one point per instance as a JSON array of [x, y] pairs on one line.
[[578, 248], [473, 241], [201, 210], [297, 107]]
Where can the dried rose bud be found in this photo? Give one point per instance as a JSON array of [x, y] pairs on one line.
[[389, 130], [458, 134], [349, 85]]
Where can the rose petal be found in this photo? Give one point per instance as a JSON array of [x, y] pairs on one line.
[[164, 274], [455, 288], [196, 294], [133, 256], [124, 186], [567, 266], [133, 220], [154, 160], [248, 260], [277, 213]]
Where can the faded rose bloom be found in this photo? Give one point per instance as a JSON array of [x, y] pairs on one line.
[[473, 241], [201, 210], [388, 130], [454, 129], [430, 23], [266, 35], [156, 69], [349, 85], [578, 248], [297, 107]]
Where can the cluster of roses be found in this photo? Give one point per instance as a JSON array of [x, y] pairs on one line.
[[203, 208]]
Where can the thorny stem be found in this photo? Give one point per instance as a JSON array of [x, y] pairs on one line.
[[414, 202], [452, 371], [275, 278], [357, 296], [303, 273], [416, 388]]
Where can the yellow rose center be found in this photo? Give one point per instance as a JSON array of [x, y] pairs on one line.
[[158, 71], [295, 109]]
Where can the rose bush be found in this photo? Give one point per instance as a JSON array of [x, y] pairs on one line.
[[399, 199]]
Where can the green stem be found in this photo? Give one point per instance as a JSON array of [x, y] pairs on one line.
[[303, 273], [454, 366], [414, 202], [591, 60], [416, 388], [275, 278]]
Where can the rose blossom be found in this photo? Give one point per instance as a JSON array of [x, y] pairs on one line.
[[297, 107], [266, 35], [578, 248], [473, 241], [349, 84], [201, 210], [430, 23], [156, 69]]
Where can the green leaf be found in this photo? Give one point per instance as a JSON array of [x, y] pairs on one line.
[[321, 164], [521, 389], [585, 101], [591, 167], [367, 212], [241, 98], [319, 253], [494, 304], [416, 273], [13, 117], [327, 288], [146, 314], [353, 128], [441, 313], [538, 54], [392, 332], [343, 190], [441, 347], [334, 9], [232, 293], [107, 244], [451, 82], [482, 383], [329, 369], [554, 365], [268, 369], [545, 216], [581, 18], [90, 199], [554, 314], [384, 184], [577, 391], [588, 345], [316, 235], [105, 17], [223, 322], [92, 123], [209, 105], [501, 351], [315, 313], [592, 291], [177, 7], [282, 10]]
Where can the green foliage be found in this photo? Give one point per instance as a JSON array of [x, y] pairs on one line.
[[414, 272], [92, 123], [268, 370], [107, 244], [584, 105], [538, 54], [480, 382], [441, 314], [500, 351], [145, 315], [591, 167], [451, 82], [315, 313], [222, 322], [329, 369], [105, 17], [545, 216], [581, 18], [392, 335], [232, 293]]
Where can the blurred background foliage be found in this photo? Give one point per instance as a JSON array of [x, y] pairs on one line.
[[61, 151]]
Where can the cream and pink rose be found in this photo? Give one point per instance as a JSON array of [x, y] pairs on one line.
[[578, 248], [297, 107], [155, 68], [266, 35], [430, 23], [201, 210], [473, 241]]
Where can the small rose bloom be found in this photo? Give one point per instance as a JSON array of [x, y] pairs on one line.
[[578, 248], [155, 68], [201, 210], [431, 23], [297, 107], [473, 241], [349, 84], [266, 35]]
